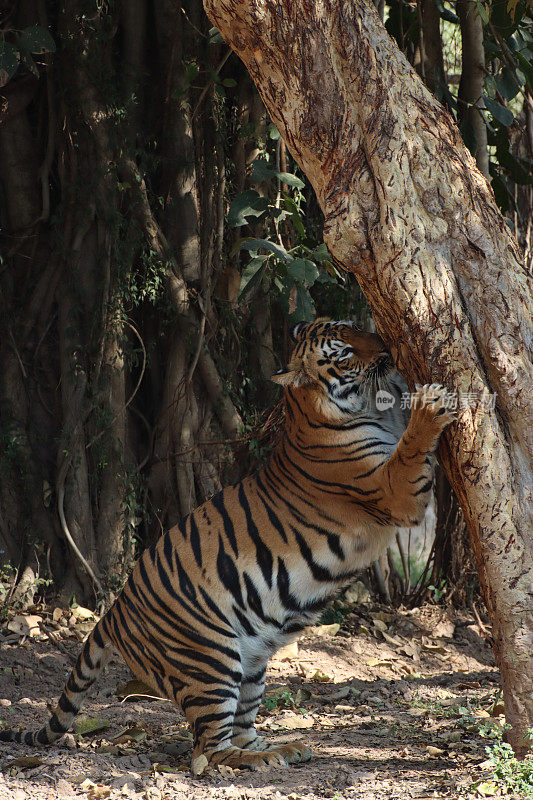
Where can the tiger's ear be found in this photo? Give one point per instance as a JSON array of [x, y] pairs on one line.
[[295, 330], [283, 376], [292, 377]]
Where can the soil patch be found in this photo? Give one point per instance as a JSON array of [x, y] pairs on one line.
[[393, 705]]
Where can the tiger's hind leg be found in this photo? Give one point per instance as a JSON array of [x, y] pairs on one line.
[[211, 715], [250, 696], [245, 735]]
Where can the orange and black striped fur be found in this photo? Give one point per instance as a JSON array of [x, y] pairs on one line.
[[216, 596]]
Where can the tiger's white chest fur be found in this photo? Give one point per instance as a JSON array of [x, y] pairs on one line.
[[282, 626]]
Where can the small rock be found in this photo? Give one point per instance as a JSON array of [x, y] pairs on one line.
[[343, 708], [5, 702], [124, 782], [357, 593], [374, 700], [444, 629], [434, 751], [294, 721], [153, 793], [287, 653], [418, 712], [326, 630], [64, 788], [198, 765], [25, 625], [79, 612], [452, 736], [25, 701], [340, 695]]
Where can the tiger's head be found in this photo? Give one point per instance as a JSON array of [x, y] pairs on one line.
[[343, 365]]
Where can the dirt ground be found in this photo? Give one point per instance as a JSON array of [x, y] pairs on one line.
[[391, 703]]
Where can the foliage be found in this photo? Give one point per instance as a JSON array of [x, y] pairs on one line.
[[438, 592], [508, 773], [334, 613], [20, 48], [508, 43], [281, 699], [291, 271], [508, 46], [114, 279]]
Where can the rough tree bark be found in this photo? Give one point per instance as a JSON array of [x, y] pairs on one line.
[[407, 211]]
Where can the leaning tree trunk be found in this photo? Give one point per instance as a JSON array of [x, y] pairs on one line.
[[408, 212]]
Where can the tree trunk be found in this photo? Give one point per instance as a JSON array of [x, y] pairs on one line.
[[472, 81], [433, 60], [407, 211]]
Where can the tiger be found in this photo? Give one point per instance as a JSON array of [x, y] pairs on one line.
[[210, 602]]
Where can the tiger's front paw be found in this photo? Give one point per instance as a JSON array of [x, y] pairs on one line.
[[434, 404]]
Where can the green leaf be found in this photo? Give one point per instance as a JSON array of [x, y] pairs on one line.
[[499, 112], [252, 274], [297, 221], [445, 14], [9, 61], [261, 171], [191, 71], [37, 40], [290, 180], [247, 204], [527, 66], [296, 216], [303, 271], [482, 11], [229, 82], [273, 132], [28, 62], [508, 83], [265, 244], [325, 277], [89, 726], [506, 19], [490, 86], [469, 135], [305, 307], [518, 169], [321, 254], [215, 37], [502, 194], [279, 214]]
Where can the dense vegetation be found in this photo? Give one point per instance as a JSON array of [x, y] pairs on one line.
[[158, 240]]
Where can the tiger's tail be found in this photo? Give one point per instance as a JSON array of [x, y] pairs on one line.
[[92, 659]]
